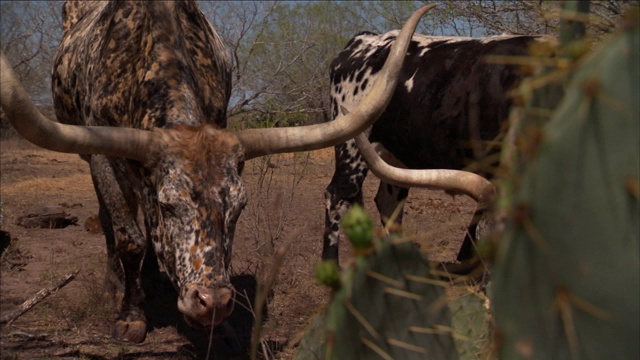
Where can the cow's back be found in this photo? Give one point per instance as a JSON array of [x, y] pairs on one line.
[[448, 95], [140, 64]]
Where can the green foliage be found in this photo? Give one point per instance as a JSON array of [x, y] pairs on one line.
[[270, 120], [566, 279]]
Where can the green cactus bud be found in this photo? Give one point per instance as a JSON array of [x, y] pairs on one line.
[[328, 274], [358, 227]]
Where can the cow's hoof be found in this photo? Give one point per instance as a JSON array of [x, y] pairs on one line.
[[130, 331]]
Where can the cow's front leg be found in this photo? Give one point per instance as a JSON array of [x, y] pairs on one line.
[[344, 190], [127, 242], [390, 203], [131, 324]]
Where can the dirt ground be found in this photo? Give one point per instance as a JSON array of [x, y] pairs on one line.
[[285, 210]]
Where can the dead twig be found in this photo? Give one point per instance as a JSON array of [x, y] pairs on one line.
[[27, 335], [11, 316]]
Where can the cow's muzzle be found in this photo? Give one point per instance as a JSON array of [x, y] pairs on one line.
[[206, 307]]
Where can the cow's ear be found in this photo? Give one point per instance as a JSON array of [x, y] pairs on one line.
[[344, 110]]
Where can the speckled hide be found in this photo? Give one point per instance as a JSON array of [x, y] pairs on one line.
[[158, 66], [141, 64]]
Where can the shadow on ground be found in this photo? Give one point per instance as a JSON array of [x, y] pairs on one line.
[[230, 340]]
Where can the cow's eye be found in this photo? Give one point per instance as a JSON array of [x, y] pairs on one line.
[[167, 208]]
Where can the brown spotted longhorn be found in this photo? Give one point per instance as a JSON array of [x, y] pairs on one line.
[[141, 89]]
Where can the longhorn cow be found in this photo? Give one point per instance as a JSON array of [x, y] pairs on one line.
[[141, 89], [450, 103]]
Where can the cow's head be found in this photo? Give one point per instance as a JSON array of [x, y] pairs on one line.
[[192, 176], [198, 196]]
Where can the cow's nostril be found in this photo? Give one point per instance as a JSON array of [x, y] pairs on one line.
[[202, 298]]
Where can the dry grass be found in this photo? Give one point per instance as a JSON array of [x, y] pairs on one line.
[[38, 185]]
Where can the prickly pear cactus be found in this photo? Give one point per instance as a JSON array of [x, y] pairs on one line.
[[387, 306], [472, 323], [566, 280]]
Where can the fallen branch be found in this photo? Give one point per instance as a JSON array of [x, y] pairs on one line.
[[11, 316], [26, 335]]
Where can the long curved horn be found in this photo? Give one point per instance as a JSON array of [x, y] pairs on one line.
[[259, 142], [35, 127], [468, 183]]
